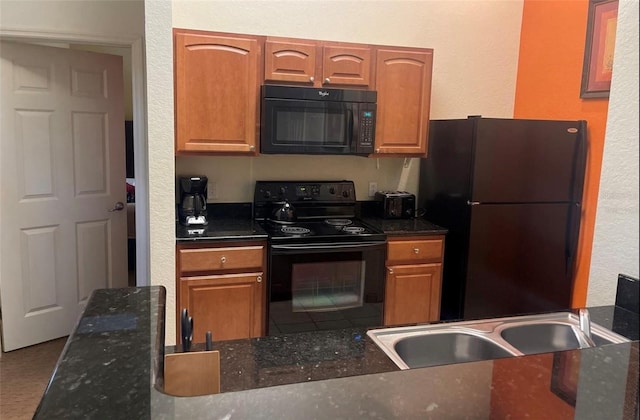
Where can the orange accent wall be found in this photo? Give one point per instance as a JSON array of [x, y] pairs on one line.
[[548, 87]]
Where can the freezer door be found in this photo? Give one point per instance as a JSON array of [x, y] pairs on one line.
[[520, 259], [528, 161]]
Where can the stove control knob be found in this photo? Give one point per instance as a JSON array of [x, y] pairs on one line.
[[267, 194], [332, 190], [283, 190], [345, 193]]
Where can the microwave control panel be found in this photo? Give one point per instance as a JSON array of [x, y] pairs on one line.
[[367, 126]]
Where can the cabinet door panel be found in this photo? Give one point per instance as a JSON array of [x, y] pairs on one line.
[[346, 66], [416, 250], [412, 294], [230, 306], [217, 91], [403, 82], [290, 61]]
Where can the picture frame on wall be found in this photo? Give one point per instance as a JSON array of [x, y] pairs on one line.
[[599, 48]]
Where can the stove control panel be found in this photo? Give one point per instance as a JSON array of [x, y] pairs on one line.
[[305, 191]]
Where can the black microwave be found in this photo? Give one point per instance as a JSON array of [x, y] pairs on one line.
[[302, 120]]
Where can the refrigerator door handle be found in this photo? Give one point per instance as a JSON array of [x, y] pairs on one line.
[[573, 232], [472, 203]]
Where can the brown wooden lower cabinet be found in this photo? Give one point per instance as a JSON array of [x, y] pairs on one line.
[[222, 285], [414, 279], [231, 306], [412, 294]]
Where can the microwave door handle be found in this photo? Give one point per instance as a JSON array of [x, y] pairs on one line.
[[353, 121]]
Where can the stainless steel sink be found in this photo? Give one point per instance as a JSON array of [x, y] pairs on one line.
[[456, 342], [445, 348]]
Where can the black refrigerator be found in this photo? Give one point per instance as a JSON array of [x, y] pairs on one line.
[[509, 191]]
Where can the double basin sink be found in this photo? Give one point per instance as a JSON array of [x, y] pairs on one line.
[[467, 341]]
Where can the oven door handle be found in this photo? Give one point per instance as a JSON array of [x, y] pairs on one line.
[[310, 247]]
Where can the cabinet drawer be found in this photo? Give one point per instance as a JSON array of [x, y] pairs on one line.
[[415, 250], [208, 259]]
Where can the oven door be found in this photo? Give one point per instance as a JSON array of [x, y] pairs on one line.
[[326, 286], [306, 127]]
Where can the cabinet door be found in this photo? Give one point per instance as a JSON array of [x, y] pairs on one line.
[[230, 306], [403, 82], [290, 61], [217, 87], [344, 65], [412, 294]]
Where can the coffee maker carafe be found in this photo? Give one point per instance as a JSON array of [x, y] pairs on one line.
[[192, 209]]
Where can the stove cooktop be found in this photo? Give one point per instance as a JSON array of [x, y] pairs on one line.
[[325, 212], [329, 230]]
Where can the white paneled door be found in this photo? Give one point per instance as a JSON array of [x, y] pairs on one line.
[[61, 177]]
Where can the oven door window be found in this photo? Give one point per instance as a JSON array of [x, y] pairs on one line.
[[326, 289], [327, 286]]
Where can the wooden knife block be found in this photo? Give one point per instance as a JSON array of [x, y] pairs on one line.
[[192, 373]]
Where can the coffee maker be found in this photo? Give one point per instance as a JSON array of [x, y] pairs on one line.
[[192, 209]]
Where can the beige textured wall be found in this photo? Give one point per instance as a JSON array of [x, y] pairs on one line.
[[108, 18], [615, 242]]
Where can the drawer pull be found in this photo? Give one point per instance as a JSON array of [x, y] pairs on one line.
[[223, 260], [259, 279], [390, 270], [416, 250]]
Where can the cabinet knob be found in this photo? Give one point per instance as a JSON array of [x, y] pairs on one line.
[[259, 279], [312, 79], [223, 260], [252, 148], [416, 250], [377, 150], [390, 270], [327, 80]]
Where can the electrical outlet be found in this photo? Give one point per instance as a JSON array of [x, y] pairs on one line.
[[373, 187], [212, 191]]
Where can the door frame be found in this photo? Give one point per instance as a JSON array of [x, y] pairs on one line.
[[136, 45]]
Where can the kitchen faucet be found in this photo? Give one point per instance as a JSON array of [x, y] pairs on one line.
[[585, 325]]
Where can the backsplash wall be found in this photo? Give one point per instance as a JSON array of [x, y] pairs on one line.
[[235, 177]]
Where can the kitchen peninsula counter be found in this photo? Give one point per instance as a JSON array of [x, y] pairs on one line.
[[111, 368]]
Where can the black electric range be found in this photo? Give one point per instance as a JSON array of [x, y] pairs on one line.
[[326, 267]]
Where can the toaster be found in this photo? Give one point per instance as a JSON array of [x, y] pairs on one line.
[[395, 204]]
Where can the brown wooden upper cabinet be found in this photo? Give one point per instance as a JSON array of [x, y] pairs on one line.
[[403, 82], [217, 92], [317, 63]]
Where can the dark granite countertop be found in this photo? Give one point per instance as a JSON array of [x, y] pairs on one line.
[[405, 227], [294, 358], [108, 370], [221, 229], [226, 222], [233, 221]]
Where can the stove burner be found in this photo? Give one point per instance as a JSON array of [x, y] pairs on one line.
[[295, 230], [353, 229], [338, 222]]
